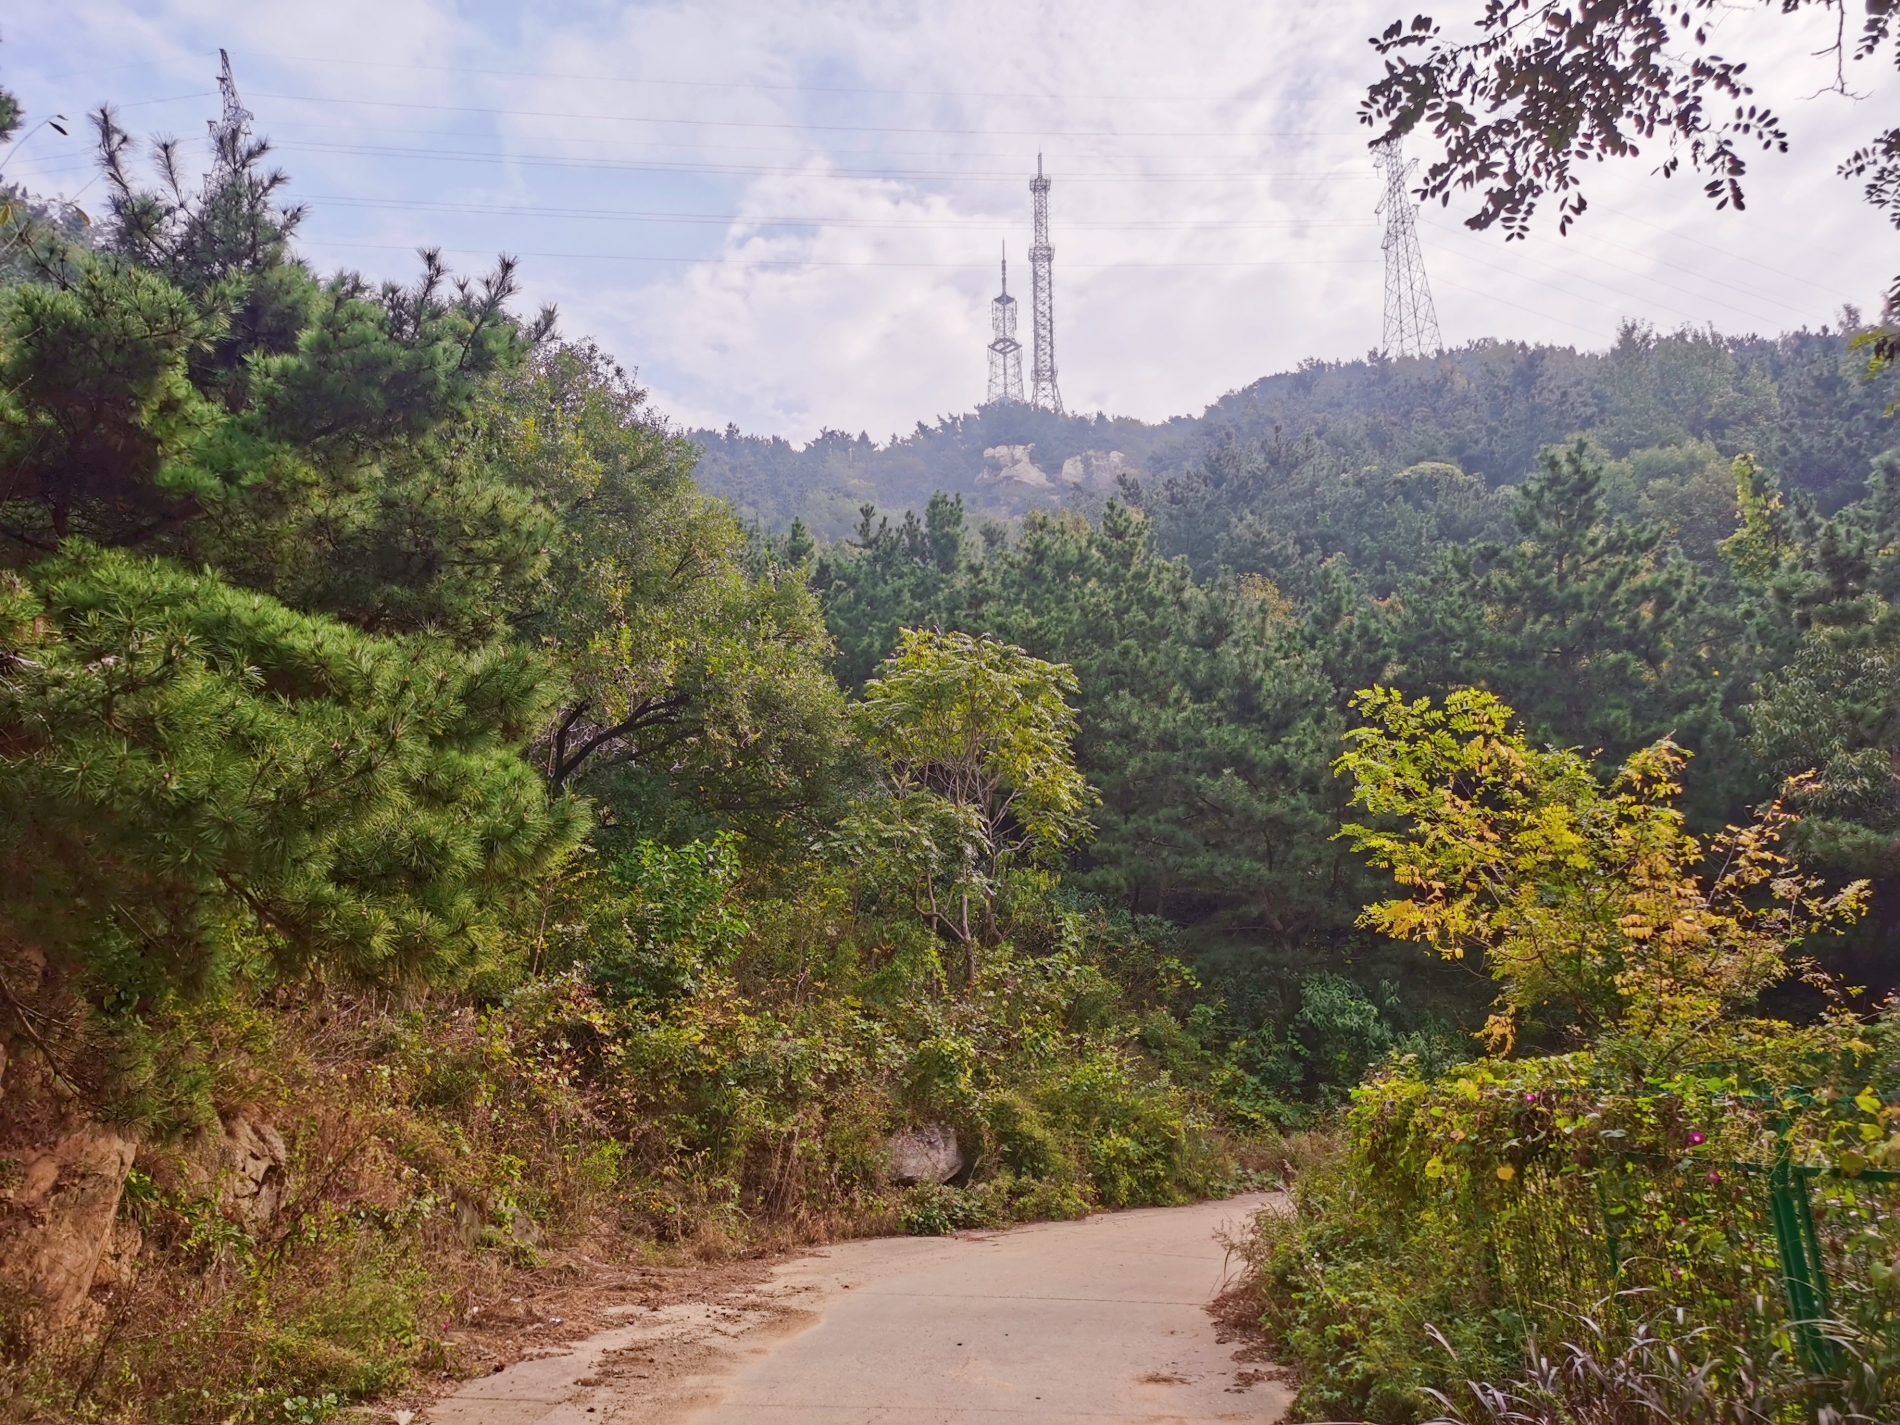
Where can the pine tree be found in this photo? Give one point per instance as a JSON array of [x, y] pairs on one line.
[[197, 780], [1590, 620], [894, 578]]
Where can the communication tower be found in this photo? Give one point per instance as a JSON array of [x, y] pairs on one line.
[[231, 133], [1411, 322], [1042, 364], [1006, 353]]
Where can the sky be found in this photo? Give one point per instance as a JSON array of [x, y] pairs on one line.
[[788, 215]]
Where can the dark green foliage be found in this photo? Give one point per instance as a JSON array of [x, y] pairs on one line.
[[1203, 722], [1205, 714], [678, 922], [1588, 624], [104, 434], [194, 773], [886, 579]]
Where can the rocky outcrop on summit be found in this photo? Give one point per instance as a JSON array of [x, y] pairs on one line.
[[1095, 469], [1092, 469], [1011, 464]]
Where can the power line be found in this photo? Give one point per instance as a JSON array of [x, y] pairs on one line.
[[764, 124], [1101, 148], [1120, 95], [1102, 136], [807, 220], [820, 262], [436, 155], [1722, 251], [1493, 297], [1569, 276], [379, 130], [1634, 299], [1575, 276]]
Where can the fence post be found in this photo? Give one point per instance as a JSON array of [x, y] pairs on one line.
[[1802, 1270], [1493, 1268], [1610, 1238]]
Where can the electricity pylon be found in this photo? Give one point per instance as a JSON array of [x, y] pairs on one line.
[[1411, 321], [1042, 373], [1006, 353], [231, 133]]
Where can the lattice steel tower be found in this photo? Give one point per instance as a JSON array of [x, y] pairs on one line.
[[1411, 322], [1006, 353], [1042, 363], [232, 133]]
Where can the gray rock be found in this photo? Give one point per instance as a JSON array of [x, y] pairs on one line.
[[1097, 469], [243, 1163], [925, 1155], [1011, 464]]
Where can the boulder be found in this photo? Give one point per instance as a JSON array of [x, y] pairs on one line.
[[60, 1214], [925, 1155]]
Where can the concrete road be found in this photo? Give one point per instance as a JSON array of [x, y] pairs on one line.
[[1098, 1320], [1101, 1320]]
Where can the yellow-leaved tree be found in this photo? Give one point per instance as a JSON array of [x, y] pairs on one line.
[[1591, 904], [974, 742]]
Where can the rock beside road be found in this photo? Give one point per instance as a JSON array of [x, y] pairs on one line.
[[925, 1155]]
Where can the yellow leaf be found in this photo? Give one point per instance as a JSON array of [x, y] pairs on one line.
[[1506, 1172]]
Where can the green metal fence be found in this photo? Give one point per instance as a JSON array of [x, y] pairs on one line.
[[1764, 1255]]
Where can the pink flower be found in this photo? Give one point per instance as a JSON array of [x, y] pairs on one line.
[[1696, 1140]]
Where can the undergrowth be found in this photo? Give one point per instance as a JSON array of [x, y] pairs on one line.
[[451, 1150]]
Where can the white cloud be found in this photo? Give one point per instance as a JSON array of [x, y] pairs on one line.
[[1212, 203]]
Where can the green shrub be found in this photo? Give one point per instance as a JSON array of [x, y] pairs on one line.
[[1026, 1144], [1465, 1214], [678, 921]]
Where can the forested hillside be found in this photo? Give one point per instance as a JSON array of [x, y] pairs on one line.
[[457, 831], [437, 858], [1799, 401], [1222, 617]]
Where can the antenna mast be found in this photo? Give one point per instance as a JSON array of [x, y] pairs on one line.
[[1006, 353], [1042, 392], [231, 133], [1411, 321]]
